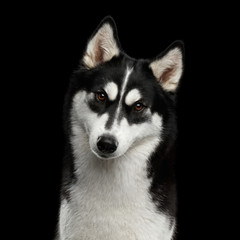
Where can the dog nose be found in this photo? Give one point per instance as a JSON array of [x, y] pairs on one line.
[[107, 144]]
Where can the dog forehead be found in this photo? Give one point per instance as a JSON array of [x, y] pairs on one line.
[[128, 86]]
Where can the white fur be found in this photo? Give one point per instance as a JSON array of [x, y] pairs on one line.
[[133, 96], [112, 90], [171, 63], [125, 81], [110, 199]]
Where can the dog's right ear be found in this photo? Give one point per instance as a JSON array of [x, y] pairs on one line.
[[103, 44]]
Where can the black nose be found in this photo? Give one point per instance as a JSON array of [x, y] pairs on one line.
[[107, 144]]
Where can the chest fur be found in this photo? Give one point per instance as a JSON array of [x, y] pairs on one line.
[[110, 201]]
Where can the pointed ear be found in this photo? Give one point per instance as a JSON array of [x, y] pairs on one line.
[[103, 45], [168, 67]]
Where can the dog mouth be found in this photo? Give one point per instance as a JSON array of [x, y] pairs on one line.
[[104, 156]]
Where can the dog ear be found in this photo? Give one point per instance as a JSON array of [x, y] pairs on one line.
[[103, 44], [168, 66]]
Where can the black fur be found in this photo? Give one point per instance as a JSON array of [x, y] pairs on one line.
[[161, 164]]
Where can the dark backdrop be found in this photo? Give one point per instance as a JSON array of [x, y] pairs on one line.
[[48, 43]]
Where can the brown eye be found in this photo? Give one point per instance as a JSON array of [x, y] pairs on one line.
[[100, 96], [138, 106]]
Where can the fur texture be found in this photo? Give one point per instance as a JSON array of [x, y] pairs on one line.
[[120, 126]]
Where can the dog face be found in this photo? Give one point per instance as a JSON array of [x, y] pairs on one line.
[[119, 103]]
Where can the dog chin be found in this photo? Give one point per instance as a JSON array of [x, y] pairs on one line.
[[103, 156]]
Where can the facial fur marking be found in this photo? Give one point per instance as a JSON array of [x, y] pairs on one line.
[[133, 96], [111, 89], [116, 114], [128, 72]]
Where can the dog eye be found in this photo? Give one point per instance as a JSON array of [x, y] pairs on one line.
[[138, 106], [101, 96]]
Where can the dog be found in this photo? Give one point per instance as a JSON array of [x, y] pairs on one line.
[[120, 127]]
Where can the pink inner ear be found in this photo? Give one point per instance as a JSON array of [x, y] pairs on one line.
[[98, 52], [167, 74], [168, 69]]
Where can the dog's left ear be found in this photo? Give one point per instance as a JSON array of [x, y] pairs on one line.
[[168, 66], [103, 44]]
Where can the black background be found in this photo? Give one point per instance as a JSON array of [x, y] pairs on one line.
[[44, 45]]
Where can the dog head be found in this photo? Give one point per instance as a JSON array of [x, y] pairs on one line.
[[119, 104]]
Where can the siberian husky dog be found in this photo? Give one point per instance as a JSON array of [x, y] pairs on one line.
[[120, 125]]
